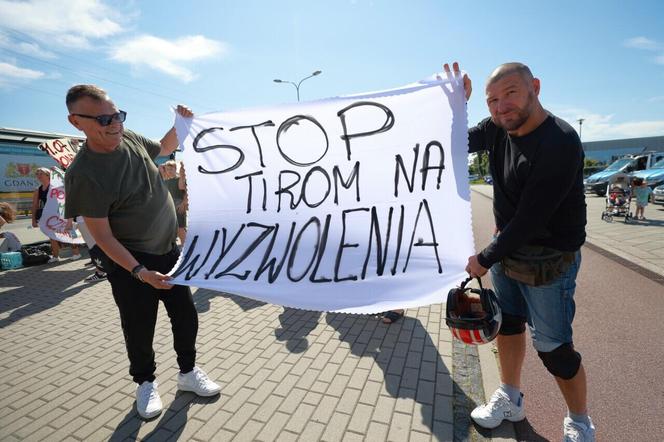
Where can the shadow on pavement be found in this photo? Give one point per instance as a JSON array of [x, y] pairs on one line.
[[34, 292], [295, 327], [202, 300], [411, 364], [525, 431], [171, 422], [647, 222]]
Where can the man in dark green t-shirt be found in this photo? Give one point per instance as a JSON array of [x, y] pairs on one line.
[[115, 186]]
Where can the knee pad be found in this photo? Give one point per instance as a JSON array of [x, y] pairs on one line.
[[512, 325], [562, 362]]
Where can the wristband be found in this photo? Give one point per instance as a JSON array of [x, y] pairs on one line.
[[135, 272]]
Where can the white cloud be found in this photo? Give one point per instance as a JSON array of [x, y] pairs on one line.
[[597, 127], [167, 56], [13, 71], [65, 23], [44, 28], [31, 49], [641, 43], [12, 75], [656, 99], [648, 45]]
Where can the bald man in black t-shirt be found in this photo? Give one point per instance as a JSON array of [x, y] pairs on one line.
[[536, 162]]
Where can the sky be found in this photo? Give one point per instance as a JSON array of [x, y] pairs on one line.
[[600, 61]]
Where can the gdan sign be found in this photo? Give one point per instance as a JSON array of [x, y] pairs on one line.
[[356, 204]]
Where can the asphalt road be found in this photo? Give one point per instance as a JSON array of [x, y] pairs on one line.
[[617, 329]]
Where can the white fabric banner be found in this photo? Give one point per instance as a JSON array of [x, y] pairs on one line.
[[357, 204], [52, 222]]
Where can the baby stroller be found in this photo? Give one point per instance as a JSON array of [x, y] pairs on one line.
[[618, 199]]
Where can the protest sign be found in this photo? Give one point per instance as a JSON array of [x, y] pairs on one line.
[[357, 204], [52, 222], [62, 150]]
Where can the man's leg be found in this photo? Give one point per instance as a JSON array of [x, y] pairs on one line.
[[511, 339], [138, 307], [511, 353], [184, 322], [181, 311], [552, 310], [55, 248], [575, 392], [507, 401]]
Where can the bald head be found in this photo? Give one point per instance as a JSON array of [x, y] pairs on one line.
[[506, 69], [512, 97]]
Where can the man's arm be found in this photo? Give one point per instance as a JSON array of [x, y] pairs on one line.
[[100, 229], [169, 142]]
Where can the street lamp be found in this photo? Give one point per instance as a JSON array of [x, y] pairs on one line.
[[297, 86], [580, 120]]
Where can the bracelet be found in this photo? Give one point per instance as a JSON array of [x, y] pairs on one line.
[[136, 270]]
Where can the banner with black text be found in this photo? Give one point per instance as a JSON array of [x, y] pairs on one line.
[[358, 204]]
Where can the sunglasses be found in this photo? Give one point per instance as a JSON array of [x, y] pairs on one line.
[[105, 120]]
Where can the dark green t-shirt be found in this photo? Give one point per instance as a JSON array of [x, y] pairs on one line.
[[125, 186]]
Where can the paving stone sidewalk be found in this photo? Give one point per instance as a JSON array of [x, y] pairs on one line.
[[286, 374]]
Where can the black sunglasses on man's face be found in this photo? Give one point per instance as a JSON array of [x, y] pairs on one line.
[[105, 120]]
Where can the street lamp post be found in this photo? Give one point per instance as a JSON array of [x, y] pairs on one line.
[[580, 120], [297, 86]]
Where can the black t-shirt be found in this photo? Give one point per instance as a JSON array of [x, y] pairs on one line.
[[41, 201], [538, 195]]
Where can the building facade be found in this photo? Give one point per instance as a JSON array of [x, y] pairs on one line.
[[610, 150], [20, 157]]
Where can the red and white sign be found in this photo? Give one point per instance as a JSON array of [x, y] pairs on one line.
[[52, 222], [62, 150]]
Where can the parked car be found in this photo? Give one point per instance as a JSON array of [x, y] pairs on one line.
[[658, 195], [488, 179], [654, 176], [597, 182]]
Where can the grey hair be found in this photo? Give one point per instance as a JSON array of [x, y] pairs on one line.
[[79, 91]]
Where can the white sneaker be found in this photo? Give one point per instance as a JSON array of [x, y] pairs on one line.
[[148, 402], [75, 257], [498, 408], [198, 382], [53, 259], [577, 432]]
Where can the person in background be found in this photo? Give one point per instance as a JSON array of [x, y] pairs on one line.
[[182, 185], [7, 216], [99, 274], [642, 194], [176, 187], [39, 197]]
